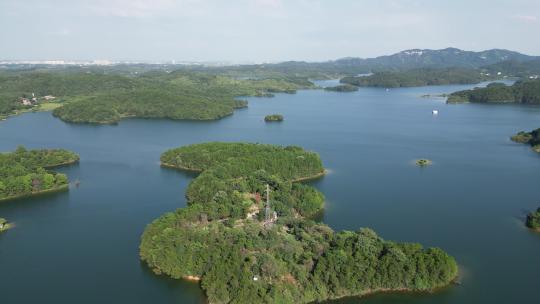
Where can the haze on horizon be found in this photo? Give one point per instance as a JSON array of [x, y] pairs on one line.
[[259, 30]]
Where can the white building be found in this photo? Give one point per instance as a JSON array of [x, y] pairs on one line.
[[26, 102]]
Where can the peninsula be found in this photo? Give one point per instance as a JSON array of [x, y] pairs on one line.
[[521, 92], [87, 96], [531, 138], [247, 236], [24, 172]]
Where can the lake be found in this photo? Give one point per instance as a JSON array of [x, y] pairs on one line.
[[81, 246]]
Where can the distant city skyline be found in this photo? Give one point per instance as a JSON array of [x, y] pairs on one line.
[[254, 31]]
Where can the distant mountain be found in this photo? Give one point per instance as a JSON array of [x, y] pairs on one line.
[[350, 66], [526, 69], [405, 60], [449, 57]]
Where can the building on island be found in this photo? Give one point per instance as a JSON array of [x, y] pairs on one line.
[[25, 101]]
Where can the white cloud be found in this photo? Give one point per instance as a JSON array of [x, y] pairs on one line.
[[525, 18]]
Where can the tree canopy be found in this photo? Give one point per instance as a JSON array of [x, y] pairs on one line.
[[417, 77], [532, 138], [273, 117], [225, 239], [342, 88], [24, 172], [522, 92], [533, 219]]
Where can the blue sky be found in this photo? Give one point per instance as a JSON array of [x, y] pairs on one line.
[[259, 30]]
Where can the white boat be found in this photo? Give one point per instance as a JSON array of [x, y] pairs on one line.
[[435, 112]]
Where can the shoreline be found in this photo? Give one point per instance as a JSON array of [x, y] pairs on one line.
[[70, 162], [373, 292], [36, 193], [177, 167], [191, 278], [536, 230], [40, 108], [133, 116], [368, 292], [312, 177], [7, 227]]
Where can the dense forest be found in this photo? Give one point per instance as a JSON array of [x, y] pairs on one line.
[[222, 161], [417, 77], [273, 117], [524, 92], [24, 172], [92, 97], [202, 157], [342, 88], [225, 238], [532, 138], [515, 68], [533, 220]]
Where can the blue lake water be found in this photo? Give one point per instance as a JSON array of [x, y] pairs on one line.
[[82, 246]]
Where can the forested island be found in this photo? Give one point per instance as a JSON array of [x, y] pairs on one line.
[[417, 77], [533, 220], [342, 88], [91, 97], [24, 172], [4, 225], [245, 249], [522, 92], [273, 117], [423, 162], [532, 138]]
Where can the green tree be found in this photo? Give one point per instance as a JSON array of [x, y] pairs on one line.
[[61, 179], [2, 189], [48, 181]]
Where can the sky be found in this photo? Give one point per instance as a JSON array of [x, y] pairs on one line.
[[242, 31]]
